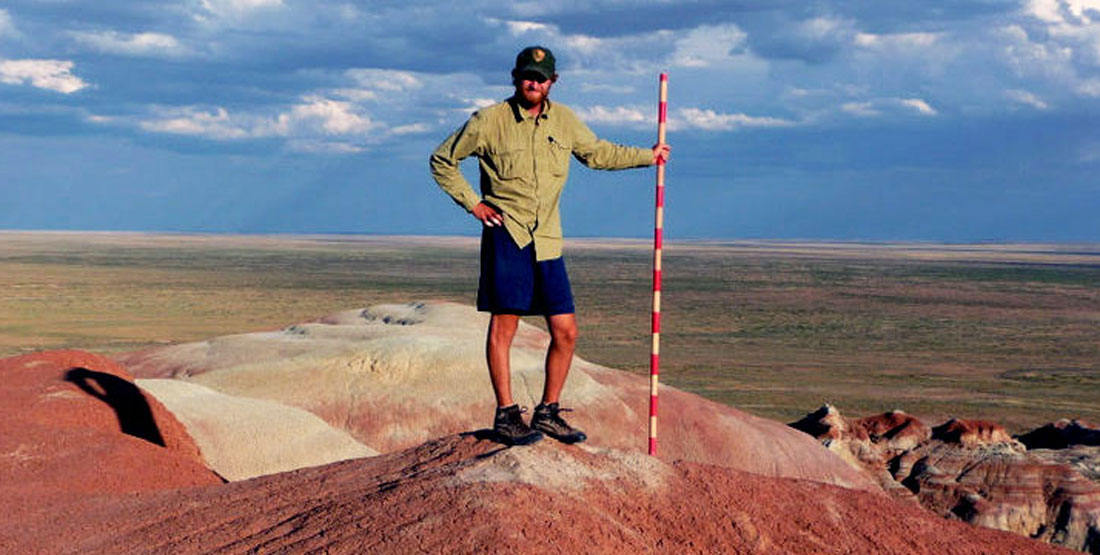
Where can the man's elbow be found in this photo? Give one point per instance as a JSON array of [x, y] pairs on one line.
[[439, 165]]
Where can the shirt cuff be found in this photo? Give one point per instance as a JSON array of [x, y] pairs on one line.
[[469, 201]]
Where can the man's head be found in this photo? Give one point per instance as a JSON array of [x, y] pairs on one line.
[[533, 75]]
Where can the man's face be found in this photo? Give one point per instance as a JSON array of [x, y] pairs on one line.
[[532, 88]]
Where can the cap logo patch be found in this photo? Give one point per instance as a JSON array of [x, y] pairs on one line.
[[538, 55]]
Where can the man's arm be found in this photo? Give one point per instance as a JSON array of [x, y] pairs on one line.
[[444, 164], [599, 154]]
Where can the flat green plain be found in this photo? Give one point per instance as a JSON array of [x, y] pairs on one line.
[[1002, 332]]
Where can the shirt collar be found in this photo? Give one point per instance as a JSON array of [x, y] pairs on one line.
[[521, 114]]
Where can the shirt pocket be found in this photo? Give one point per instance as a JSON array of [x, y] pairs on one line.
[[560, 152], [513, 163]]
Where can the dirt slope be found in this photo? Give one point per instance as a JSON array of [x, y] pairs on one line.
[[72, 424], [460, 494]]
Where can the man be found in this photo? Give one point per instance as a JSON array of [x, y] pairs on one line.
[[523, 145]]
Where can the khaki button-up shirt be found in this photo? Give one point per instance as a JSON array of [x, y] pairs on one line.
[[524, 163]]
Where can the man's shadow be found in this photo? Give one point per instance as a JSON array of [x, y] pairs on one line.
[[134, 415], [486, 434]]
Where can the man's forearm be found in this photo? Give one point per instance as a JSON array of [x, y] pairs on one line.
[[610, 156]]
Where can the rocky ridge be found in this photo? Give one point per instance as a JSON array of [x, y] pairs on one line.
[[972, 471]]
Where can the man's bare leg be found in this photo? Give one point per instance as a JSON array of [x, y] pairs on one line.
[[547, 418], [559, 357], [498, 349]]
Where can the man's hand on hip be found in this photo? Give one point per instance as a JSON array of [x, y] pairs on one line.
[[488, 215]]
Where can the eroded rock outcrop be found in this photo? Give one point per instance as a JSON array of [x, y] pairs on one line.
[[1062, 434], [968, 470], [394, 376]]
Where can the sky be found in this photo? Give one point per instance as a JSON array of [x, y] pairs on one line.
[[934, 120]]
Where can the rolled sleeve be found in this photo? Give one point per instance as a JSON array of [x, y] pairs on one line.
[[599, 154]]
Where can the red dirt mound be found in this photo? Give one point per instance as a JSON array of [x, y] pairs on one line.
[[73, 423], [971, 433], [461, 494]]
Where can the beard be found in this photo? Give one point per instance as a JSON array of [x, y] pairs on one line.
[[530, 97]]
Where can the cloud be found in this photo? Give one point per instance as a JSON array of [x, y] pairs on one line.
[[606, 88], [1089, 87], [238, 8], [1063, 11], [617, 115], [583, 52], [817, 40], [137, 44], [387, 80], [311, 146], [919, 105], [332, 117], [879, 106], [410, 129], [861, 109], [709, 120], [7, 28], [54, 75], [518, 28], [707, 46], [1057, 38], [1026, 97], [1028, 58], [215, 124], [895, 40], [470, 105], [368, 106], [638, 117], [313, 116]]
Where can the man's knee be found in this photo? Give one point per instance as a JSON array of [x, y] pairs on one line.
[[502, 329], [565, 334]]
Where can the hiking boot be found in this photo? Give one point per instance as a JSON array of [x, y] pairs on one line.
[[509, 429], [548, 420]]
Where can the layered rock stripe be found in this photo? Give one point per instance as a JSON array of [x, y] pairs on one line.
[[971, 471]]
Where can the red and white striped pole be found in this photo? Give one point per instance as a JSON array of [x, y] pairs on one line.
[[658, 231]]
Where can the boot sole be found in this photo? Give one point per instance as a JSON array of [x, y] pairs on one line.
[[528, 439], [577, 437]]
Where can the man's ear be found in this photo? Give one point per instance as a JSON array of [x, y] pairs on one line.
[[554, 79]]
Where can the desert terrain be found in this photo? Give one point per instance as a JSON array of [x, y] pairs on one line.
[[155, 384], [1004, 332]]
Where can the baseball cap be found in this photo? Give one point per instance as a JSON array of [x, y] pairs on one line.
[[537, 59]]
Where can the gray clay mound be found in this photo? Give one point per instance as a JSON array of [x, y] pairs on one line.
[[396, 375], [242, 438]]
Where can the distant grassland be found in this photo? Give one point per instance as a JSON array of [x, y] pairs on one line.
[[1009, 333]]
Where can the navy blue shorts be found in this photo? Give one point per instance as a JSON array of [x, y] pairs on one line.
[[513, 282]]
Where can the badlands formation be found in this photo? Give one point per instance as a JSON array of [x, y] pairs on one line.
[[976, 472], [364, 431]]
